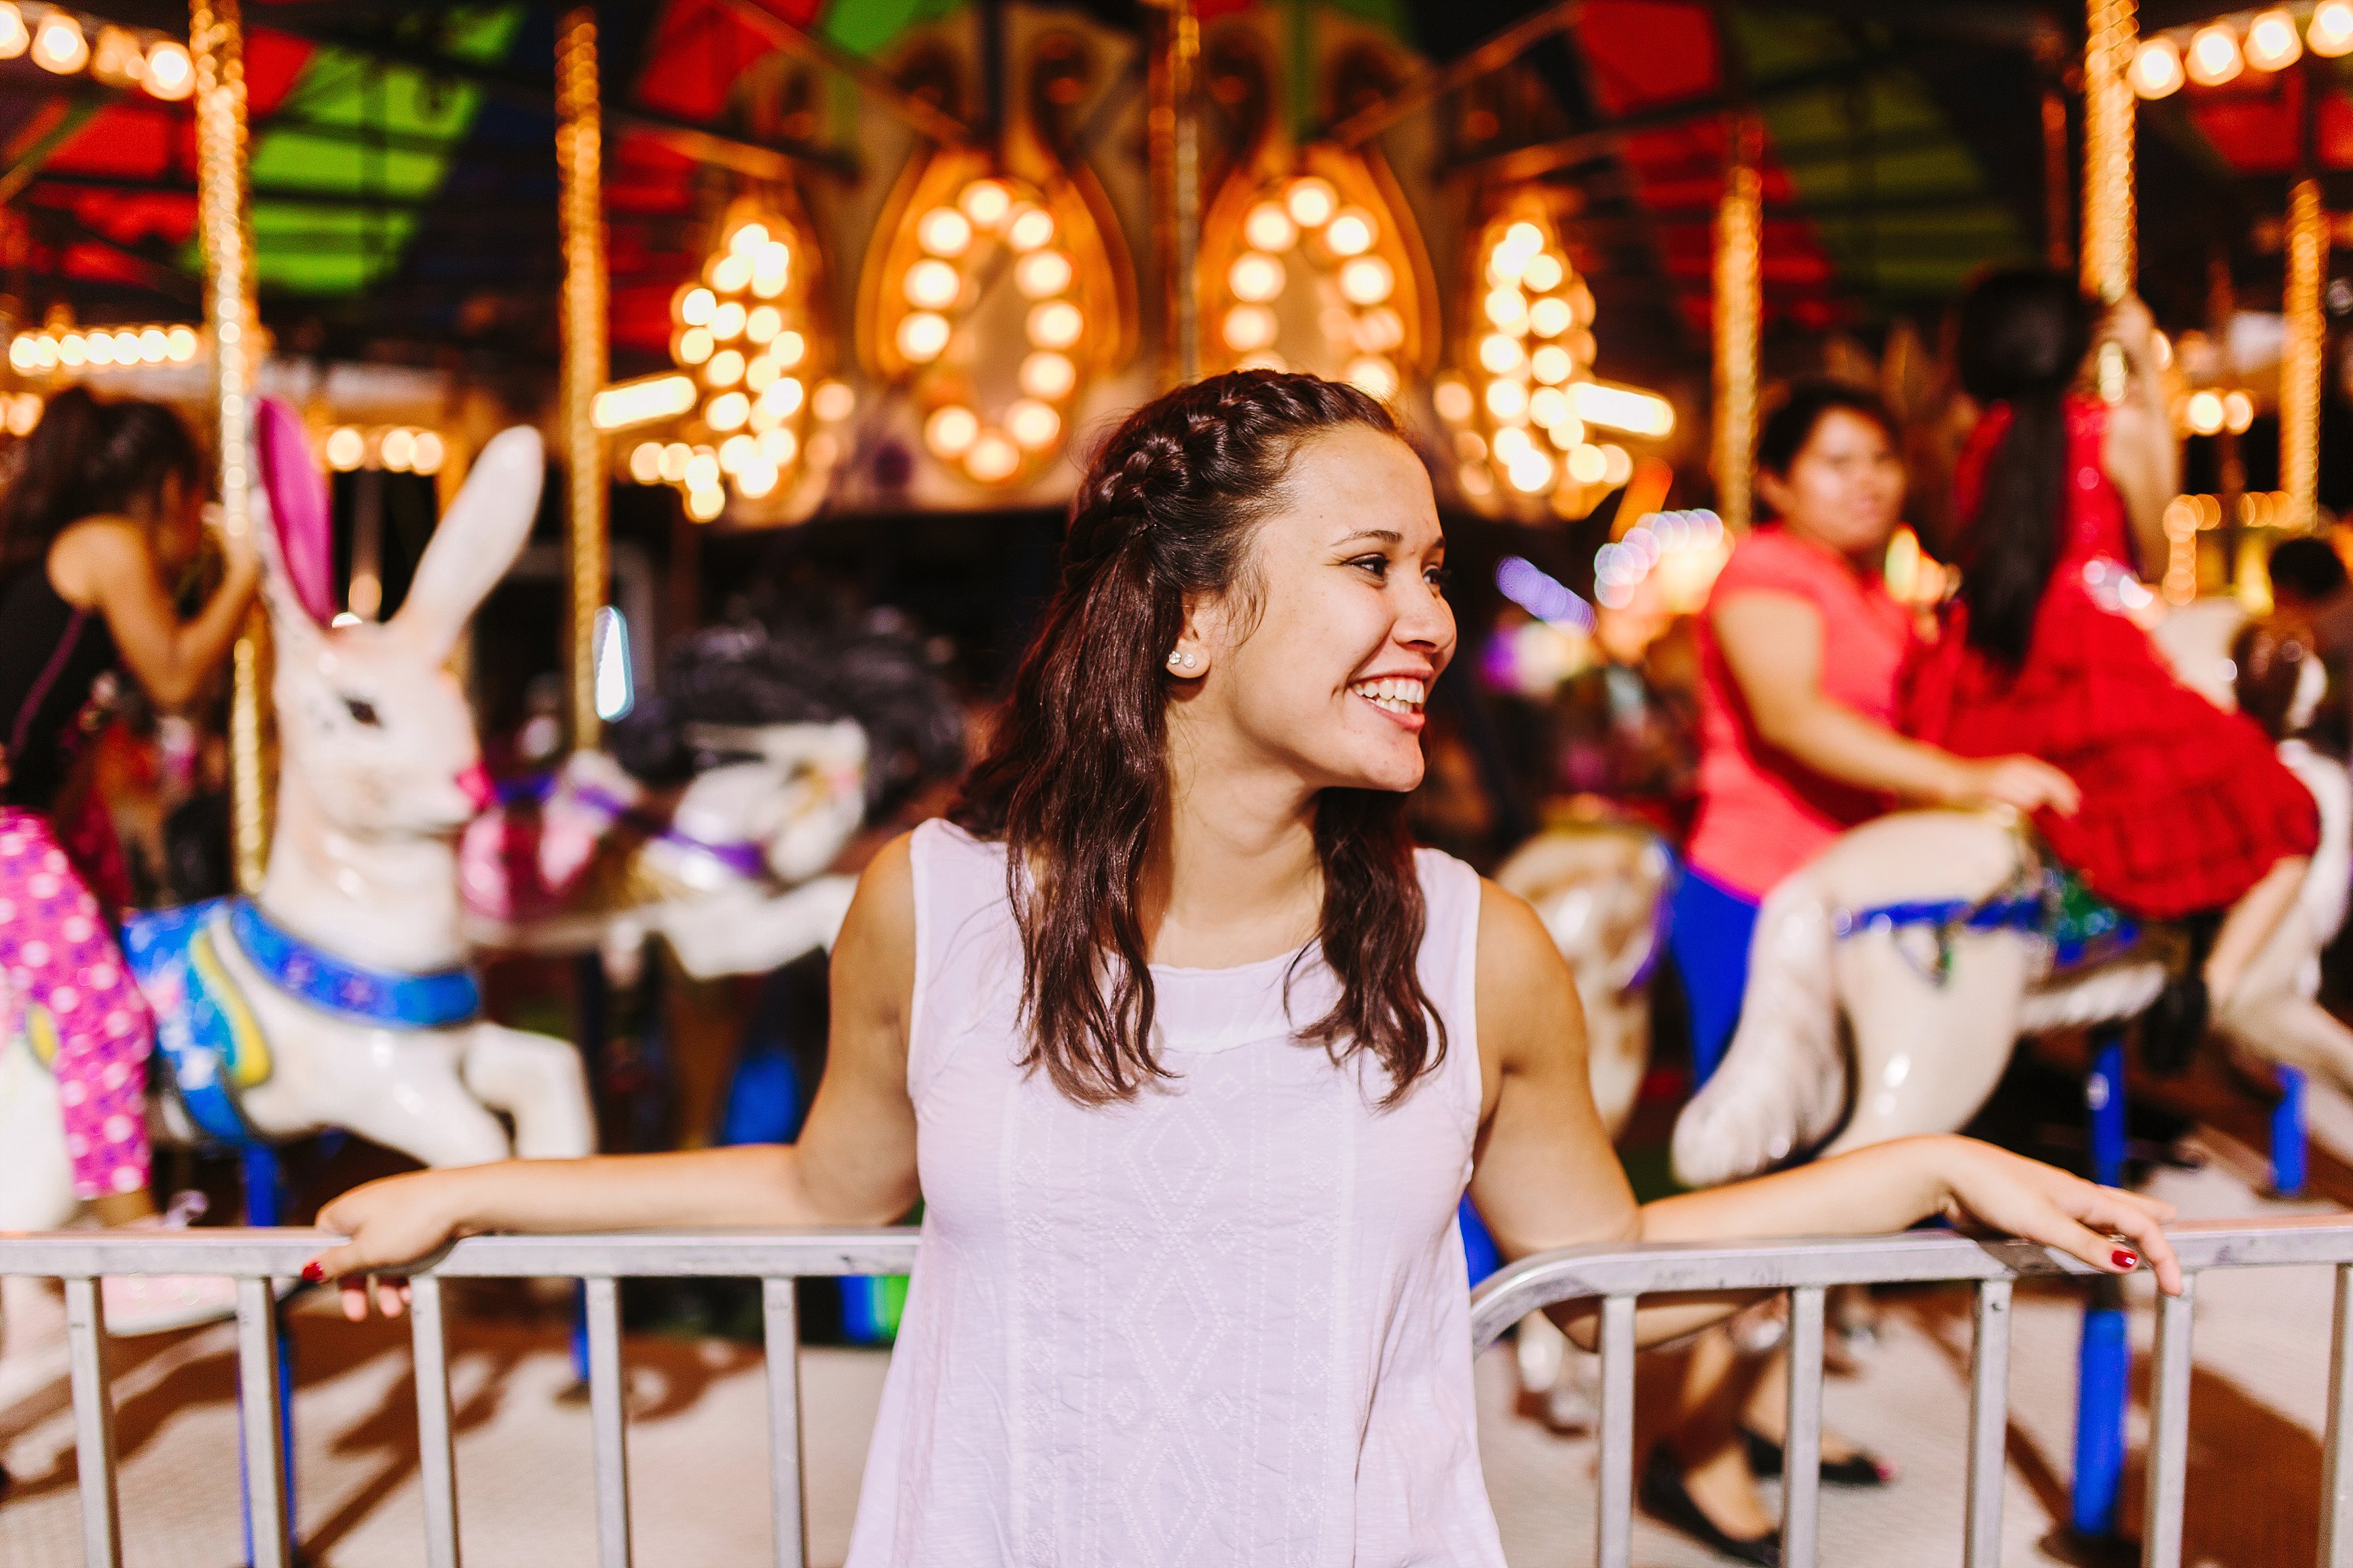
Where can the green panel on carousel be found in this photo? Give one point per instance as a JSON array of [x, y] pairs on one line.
[[332, 248], [1900, 204]]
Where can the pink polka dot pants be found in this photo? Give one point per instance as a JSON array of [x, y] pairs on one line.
[[56, 952]]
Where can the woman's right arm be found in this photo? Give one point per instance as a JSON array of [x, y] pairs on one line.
[[1772, 643], [106, 564], [854, 1165]]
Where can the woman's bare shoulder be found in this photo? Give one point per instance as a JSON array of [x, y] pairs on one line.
[[87, 555]]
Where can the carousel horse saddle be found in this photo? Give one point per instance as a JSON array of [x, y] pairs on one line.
[[2054, 906], [205, 1028]]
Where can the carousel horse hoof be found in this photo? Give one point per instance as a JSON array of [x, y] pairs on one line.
[[1859, 1468], [1671, 1502]]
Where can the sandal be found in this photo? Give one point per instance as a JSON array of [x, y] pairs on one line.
[[1859, 1468], [1669, 1501]]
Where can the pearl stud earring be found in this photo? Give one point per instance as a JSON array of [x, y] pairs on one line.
[[1182, 661]]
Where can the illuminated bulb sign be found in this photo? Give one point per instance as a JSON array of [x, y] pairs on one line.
[[1522, 402], [756, 416], [59, 42], [1313, 271], [398, 449], [978, 256], [67, 350]]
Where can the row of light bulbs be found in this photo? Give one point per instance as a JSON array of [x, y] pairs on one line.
[[2219, 51], [399, 449], [994, 217], [101, 348], [1306, 220], [157, 65], [2188, 514], [2209, 413]]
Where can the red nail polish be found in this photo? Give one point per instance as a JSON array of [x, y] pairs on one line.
[[313, 1272], [2124, 1259]]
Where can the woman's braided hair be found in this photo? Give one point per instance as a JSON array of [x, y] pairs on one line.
[[1076, 777]]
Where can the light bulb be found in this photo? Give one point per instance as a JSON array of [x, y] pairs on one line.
[[730, 272], [1255, 277], [1499, 354], [1247, 328], [1548, 317], [58, 45], [992, 458], [943, 231], [2272, 41], [1452, 400], [2332, 28], [1351, 232], [2157, 68], [986, 203], [1029, 228], [1543, 271], [1033, 424], [1310, 201], [645, 462], [1366, 280], [727, 321], [14, 37], [922, 336], [1374, 377], [728, 411], [1269, 227], [1551, 364], [694, 345], [1042, 274], [1055, 324], [1049, 375], [345, 448], [171, 75], [1506, 399], [2215, 55], [764, 324], [1508, 308], [950, 430], [933, 285]]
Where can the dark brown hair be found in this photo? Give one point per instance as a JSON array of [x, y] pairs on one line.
[[2023, 335], [1076, 777], [1801, 409], [85, 458]]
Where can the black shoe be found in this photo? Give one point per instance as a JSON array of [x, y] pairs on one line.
[[1669, 1500], [1857, 1469]]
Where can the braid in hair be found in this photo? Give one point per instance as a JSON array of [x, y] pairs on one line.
[[1076, 777]]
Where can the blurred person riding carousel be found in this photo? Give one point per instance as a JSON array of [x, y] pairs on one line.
[[99, 515], [1801, 647], [2185, 813]]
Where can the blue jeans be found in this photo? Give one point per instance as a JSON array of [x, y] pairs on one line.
[[1709, 938]]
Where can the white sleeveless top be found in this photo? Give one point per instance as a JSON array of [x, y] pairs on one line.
[[1225, 1322]]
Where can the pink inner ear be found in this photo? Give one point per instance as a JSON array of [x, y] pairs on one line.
[[299, 503]]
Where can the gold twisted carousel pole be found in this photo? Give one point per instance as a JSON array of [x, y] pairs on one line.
[[1739, 318], [579, 152], [1173, 136], [216, 38], [2302, 352], [2109, 262]]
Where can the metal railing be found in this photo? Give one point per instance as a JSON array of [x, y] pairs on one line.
[[256, 1258], [1617, 1276]]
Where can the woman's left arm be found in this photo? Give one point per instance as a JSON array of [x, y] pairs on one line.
[[1547, 1176], [2140, 453]]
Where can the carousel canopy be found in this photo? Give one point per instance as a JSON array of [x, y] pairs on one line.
[[405, 193]]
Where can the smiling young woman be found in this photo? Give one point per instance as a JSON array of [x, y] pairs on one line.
[[1191, 1054]]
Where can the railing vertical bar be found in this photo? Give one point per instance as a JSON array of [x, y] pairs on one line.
[[256, 1378], [93, 1406], [2337, 1475], [2168, 1430], [1988, 1425], [1617, 1522], [608, 1417], [788, 1485], [437, 1456], [1802, 1464]]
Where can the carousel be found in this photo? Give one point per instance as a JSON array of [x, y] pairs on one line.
[[655, 424]]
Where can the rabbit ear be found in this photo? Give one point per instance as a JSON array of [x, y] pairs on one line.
[[292, 623], [479, 537], [301, 515]]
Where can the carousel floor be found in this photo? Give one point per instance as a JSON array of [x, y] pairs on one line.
[[698, 1448]]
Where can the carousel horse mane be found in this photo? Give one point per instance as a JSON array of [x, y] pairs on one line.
[[797, 671]]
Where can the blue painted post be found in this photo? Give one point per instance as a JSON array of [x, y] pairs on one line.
[[2288, 1135], [2103, 1361], [1479, 1249]]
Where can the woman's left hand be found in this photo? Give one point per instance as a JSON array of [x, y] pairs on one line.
[[2035, 1202]]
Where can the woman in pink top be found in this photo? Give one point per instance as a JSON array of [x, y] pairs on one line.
[[1190, 1055], [1800, 647]]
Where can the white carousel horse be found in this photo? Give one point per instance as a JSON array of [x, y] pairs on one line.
[[339, 997], [1932, 1007], [730, 876], [777, 743], [1601, 890]]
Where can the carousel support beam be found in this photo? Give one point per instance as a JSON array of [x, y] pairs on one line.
[[2302, 352], [2109, 262], [1432, 83], [1739, 318], [215, 37], [579, 163], [2058, 220], [1173, 132]]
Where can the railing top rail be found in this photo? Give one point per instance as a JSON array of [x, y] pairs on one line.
[[282, 1253], [1647, 1269]]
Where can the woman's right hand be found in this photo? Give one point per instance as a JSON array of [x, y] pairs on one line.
[[389, 1224], [241, 560], [2028, 784]]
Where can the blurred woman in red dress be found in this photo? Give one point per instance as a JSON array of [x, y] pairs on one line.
[[2186, 810]]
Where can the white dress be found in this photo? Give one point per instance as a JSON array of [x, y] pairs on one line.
[[1225, 1322]]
